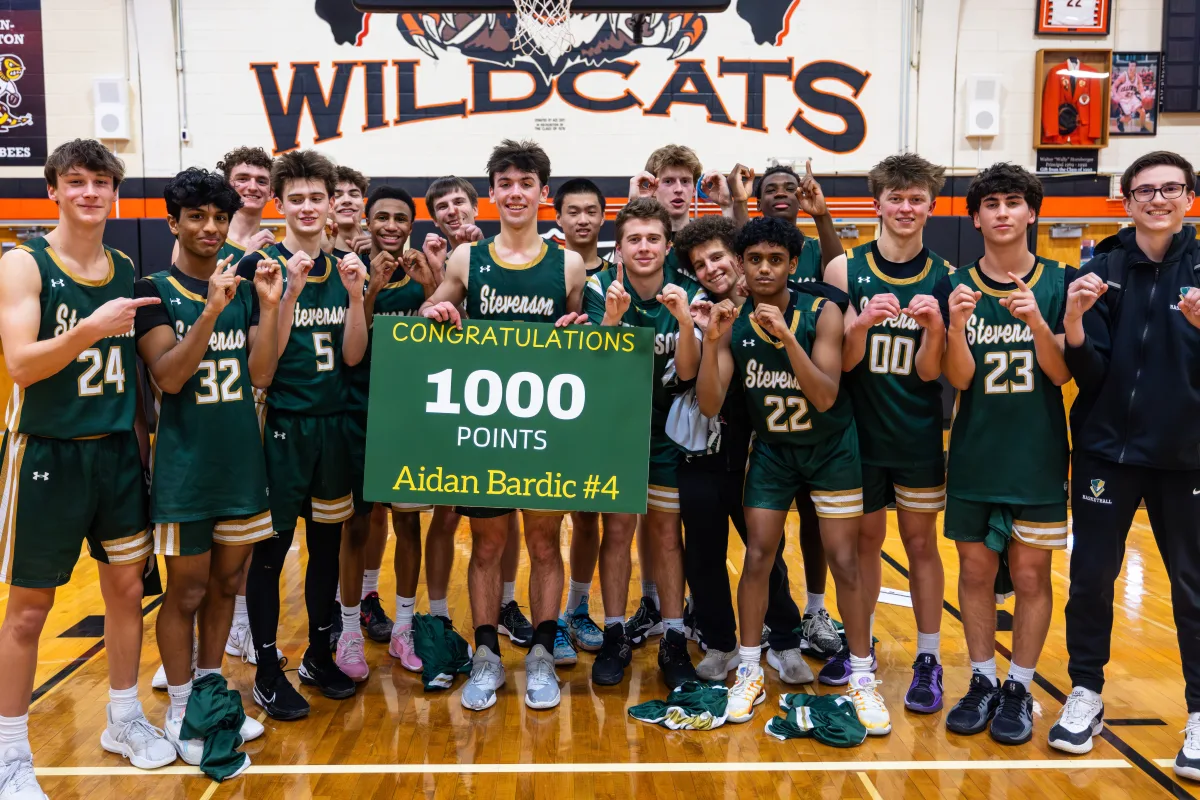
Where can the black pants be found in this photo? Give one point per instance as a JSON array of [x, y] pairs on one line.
[[324, 542], [1104, 497], [708, 500]]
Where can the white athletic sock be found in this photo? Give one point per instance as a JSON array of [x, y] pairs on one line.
[[930, 643], [751, 655], [576, 591], [241, 617], [986, 668], [440, 608], [200, 673], [509, 594], [610, 621], [404, 611], [14, 732], [370, 581], [124, 702], [179, 699], [351, 621], [815, 603], [672, 624], [860, 666], [1022, 675], [650, 589]]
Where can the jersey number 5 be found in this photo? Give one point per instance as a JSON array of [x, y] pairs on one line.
[[323, 344], [1020, 360], [796, 421], [114, 371]]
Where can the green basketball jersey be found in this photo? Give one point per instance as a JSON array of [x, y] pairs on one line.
[[400, 298], [809, 267], [604, 264], [231, 248], [309, 377], [646, 314], [778, 409], [95, 394], [533, 292], [208, 456], [899, 416], [1008, 441]]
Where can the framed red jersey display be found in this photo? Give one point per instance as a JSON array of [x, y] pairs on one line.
[[1073, 17], [1071, 98]]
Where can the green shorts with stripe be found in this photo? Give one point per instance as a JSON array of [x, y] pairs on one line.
[[830, 470], [308, 461], [662, 493], [912, 487], [1042, 526], [356, 440], [57, 493], [196, 537]]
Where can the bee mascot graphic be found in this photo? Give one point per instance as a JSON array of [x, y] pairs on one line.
[[11, 70]]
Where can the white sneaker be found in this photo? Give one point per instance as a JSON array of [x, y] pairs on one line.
[[716, 664], [240, 643], [872, 712], [1187, 763], [747, 692], [17, 781], [159, 681], [487, 675], [144, 745], [541, 682], [251, 729], [1082, 718], [190, 750], [791, 665]]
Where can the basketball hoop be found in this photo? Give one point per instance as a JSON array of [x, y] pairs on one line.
[[543, 26]]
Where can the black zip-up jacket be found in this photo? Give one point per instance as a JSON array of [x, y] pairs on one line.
[[1138, 370]]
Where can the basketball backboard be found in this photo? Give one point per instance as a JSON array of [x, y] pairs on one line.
[[502, 6]]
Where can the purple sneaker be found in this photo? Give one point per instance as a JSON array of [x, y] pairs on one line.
[[836, 671], [925, 694]]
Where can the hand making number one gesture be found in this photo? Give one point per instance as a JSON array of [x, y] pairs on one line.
[[616, 299]]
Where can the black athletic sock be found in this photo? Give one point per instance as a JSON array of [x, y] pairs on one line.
[[486, 636], [324, 540], [262, 597], [544, 633]]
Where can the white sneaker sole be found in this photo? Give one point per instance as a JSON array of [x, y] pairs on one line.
[[119, 748], [1076, 749], [491, 701], [251, 729], [758, 701], [541, 706], [879, 731], [1191, 773], [180, 749]]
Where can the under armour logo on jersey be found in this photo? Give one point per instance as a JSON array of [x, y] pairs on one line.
[[747, 343], [866, 279], [57, 282], [41, 476], [175, 301], [280, 435], [486, 268]]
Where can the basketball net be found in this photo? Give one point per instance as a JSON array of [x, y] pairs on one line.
[[544, 26]]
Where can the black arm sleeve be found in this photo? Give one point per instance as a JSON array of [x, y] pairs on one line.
[[1089, 362], [941, 293], [249, 265], [1071, 274], [147, 318]]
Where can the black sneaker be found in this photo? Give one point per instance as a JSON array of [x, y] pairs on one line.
[[615, 654], [674, 661], [324, 674], [335, 632], [1013, 720], [375, 620], [645, 622], [690, 631], [515, 625], [276, 695], [973, 713]]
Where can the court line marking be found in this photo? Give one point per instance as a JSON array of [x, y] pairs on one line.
[[860, 767], [872, 792], [213, 790]]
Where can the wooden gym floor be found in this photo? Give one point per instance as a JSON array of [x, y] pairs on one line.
[[394, 740]]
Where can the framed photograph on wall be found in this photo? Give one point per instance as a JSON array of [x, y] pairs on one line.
[[1071, 99], [1133, 99], [1073, 17]]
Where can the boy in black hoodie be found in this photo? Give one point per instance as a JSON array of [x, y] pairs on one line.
[[1133, 345]]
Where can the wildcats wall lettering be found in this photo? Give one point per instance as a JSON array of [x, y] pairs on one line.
[[390, 98]]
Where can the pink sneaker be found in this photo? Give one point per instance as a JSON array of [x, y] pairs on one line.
[[402, 648], [350, 658]]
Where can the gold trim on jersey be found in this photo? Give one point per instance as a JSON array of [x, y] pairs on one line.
[[80, 280], [189, 295], [10, 482], [883, 276], [12, 413], [239, 246], [983, 287], [507, 265], [400, 283], [310, 279], [795, 323]]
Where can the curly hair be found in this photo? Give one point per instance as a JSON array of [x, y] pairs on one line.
[[772, 231], [254, 156], [391, 193], [300, 165], [86, 153], [1004, 178], [642, 208], [702, 231], [196, 188]]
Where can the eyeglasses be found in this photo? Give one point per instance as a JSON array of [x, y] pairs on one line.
[[1169, 191]]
